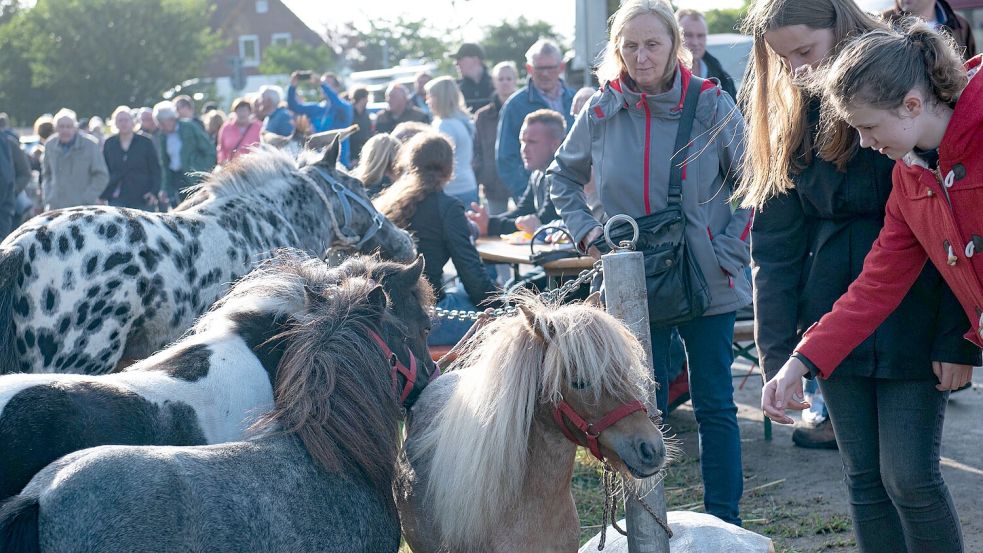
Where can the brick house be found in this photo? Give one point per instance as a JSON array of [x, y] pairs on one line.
[[251, 26]]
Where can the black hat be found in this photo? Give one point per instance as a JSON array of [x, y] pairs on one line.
[[468, 49]]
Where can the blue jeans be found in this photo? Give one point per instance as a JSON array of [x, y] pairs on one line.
[[890, 438], [445, 332], [709, 342]]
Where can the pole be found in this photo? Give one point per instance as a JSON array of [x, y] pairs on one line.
[[626, 299]]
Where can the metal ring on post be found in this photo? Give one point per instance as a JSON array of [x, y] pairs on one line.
[[607, 231]]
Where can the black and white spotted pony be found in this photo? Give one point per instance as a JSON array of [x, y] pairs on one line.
[[210, 386], [83, 288]]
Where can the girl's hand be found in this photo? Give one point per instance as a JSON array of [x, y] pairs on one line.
[[785, 392], [951, 376]]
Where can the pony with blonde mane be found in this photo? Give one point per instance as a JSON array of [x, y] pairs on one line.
[[500, 463]]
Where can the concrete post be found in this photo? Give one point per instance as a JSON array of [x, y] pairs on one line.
[[626, 299]]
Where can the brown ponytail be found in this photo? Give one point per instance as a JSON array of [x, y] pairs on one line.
[[425, 164], [879, 68]]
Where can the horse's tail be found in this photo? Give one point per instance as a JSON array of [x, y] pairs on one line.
[[19, 525], [11, 260]]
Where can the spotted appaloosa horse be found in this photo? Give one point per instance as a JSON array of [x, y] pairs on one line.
[[83, 288], [209, 386]]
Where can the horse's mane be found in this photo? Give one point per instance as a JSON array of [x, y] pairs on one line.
[[275, 286], [481, 434], [248, 174], [334, 390]]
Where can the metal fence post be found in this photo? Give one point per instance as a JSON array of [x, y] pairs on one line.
[[627, 300]]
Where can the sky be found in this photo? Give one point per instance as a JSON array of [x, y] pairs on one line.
[[464, 17]]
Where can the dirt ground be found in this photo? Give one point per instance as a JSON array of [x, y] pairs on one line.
[[801, 504]]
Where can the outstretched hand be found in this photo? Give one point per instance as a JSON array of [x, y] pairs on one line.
[[784, 391]]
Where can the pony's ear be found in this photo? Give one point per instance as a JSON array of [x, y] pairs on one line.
[[414, 270], [331, 142], [542, 329], [311, 297], [328, 140], [274, 139], [594, 300], [377, 298]]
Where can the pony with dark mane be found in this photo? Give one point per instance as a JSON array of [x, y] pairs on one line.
[[490, 446], [208, 387], [318, 478], [83, 288]]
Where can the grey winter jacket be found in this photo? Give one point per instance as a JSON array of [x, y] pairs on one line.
[[627, 138], [73, 176]]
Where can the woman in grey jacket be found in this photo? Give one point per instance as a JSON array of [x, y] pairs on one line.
[[627, 134]]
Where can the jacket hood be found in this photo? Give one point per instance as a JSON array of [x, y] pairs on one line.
[[966, 122], [621, 94]]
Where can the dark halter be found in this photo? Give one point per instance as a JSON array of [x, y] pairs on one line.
[[346, 196]]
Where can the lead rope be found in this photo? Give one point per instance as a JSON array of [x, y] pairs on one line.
[[339, 236], [610, 500]]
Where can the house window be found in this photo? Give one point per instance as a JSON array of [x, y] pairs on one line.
[[280, 39], [249, 50], [262, 6]]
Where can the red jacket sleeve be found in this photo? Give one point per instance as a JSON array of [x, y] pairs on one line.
[[890, 269]]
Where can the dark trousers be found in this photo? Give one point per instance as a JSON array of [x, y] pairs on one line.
[[709, 342], [890, 435]]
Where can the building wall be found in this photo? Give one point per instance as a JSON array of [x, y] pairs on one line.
[[251, 26]]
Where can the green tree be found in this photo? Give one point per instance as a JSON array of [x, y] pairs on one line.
[[388, 41], [726, 21], [280, 59], [92, 55], [509, 40]]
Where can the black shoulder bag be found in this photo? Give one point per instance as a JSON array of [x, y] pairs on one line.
[[677, 290]]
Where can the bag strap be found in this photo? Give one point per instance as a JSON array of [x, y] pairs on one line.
[[681, 149]]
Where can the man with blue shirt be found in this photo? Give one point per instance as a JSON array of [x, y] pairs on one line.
[[278, 119], [545, 90], [330, 113]]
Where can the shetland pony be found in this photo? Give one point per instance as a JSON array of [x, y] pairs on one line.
[[208, 387], [487, 463], [317, 479]]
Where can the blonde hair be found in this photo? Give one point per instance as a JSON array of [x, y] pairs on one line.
[[116, 112], [881, 67], [446, 99], [778, 142], [378, 156], [425, 165], [612, 66]]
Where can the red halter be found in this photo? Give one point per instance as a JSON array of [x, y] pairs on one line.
[[592, 430], [398, 367]]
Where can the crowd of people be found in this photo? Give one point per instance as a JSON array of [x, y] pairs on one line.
[[843, 148]]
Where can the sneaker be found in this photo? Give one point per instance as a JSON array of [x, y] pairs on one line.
[[818, 436]]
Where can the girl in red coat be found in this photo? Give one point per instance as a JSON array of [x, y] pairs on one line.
[[910, 97]]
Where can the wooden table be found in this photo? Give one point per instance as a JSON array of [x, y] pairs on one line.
[[496, 250]]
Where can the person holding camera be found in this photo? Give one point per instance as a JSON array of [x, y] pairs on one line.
[[664, 146], [332, 112]]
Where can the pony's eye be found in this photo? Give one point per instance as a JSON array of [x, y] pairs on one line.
[[579, 384]]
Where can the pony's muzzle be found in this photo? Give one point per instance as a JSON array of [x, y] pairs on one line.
[[645, 457]]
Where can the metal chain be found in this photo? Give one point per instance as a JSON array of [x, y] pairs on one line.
[[548, 296]]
